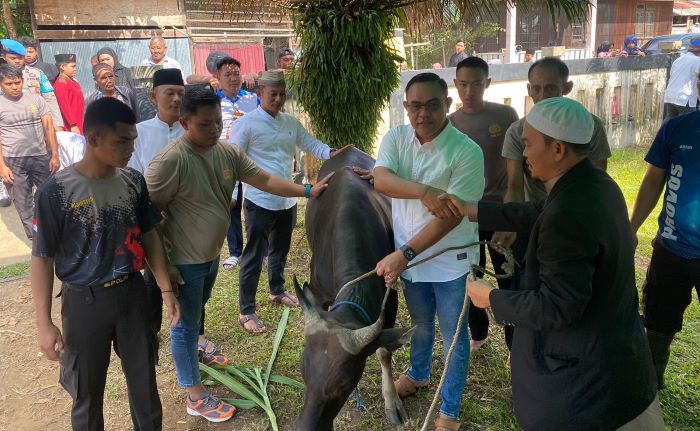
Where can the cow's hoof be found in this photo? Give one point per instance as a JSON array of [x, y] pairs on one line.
[[397, 415]]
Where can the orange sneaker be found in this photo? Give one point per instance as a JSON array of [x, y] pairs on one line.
[[210, 408]]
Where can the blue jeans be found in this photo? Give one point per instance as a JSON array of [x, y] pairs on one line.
[[423, 301], [193, 295]]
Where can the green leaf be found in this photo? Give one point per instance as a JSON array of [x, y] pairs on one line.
[[240, 372], [281, 327], [241, 404], [232, 384], [284, 380]]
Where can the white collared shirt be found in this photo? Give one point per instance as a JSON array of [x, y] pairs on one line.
[[71, 148], [270, 142], [167, 63], [682, 89], [154, 135], [451, 162]]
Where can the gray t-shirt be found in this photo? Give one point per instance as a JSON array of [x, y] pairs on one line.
[[21, 131], [488, 129], [513, 147]]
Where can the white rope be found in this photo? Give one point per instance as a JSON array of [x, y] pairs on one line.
[[508, 269], [448, 360], [508, 265]]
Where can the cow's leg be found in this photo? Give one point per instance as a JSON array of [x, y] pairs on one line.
[[393, 407]]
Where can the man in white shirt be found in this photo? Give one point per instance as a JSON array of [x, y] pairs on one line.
[[156, 133], [681, 96], [158, 48], [269, 137], [416, 164]]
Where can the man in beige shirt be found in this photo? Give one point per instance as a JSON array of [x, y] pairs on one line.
[[192, 181]]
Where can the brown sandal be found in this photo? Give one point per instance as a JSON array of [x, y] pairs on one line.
[[443, 423], [405, 386], [285, 299], [259, 325]]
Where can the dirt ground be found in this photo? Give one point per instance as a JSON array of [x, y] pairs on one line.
[[32, 400]]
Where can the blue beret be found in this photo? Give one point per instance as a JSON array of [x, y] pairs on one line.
[[13, 47]]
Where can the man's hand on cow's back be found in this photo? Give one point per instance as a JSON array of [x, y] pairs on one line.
[[321, 185], [437, 207], [365, 174], [392, 266]]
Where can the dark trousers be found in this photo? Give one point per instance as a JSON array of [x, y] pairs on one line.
[[668, 289], [234, 236], [94, 318], [155, 300], [478, 317], [29, 172], [269, 231], [672, 110]]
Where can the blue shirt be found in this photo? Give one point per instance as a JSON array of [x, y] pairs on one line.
[[233, 109], [677, 150]]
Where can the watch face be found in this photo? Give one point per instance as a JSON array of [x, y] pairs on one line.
[[408, 252]]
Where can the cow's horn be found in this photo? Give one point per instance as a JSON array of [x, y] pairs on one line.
[[310, 311], [355, 340]]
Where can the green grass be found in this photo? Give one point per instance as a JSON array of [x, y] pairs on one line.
[[15, 270]]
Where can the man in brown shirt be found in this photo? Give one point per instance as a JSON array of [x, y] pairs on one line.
[[192, 181]]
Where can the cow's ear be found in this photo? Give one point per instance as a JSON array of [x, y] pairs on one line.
[[305, 298], [391, 339]]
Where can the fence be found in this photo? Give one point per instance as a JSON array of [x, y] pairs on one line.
[[625, 92]]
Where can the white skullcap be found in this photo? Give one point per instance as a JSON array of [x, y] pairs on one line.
[[562, 118]]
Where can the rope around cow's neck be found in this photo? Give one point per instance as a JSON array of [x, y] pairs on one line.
[[508, 269]]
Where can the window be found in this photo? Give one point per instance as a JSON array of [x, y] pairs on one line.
[[529, 30], [578, 32], [644, 24]]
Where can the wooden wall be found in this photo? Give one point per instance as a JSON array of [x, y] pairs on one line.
[[617, 19], [74, 19]]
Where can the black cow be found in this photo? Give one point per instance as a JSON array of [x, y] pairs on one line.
[[349, 231]]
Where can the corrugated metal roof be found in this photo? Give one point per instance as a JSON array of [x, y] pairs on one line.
[[131, 52], [686, 8]]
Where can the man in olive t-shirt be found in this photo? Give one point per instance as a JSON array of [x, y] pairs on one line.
[[485, 123], [191, 182]]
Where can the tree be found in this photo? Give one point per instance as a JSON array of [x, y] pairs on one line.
[[346, 71], [442, 42], [15, 19]]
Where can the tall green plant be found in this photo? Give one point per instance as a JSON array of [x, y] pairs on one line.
[[347, 70], [252, 383]]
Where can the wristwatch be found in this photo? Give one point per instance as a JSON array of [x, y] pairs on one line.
[[408, 252]]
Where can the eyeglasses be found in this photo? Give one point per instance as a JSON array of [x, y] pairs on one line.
[[430, 106]]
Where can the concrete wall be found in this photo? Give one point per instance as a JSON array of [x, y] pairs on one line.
[[626, 93]]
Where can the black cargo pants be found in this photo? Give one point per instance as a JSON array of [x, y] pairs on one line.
[[94, 318]]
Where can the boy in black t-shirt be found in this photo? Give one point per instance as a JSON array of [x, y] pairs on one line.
[[95, 224]]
